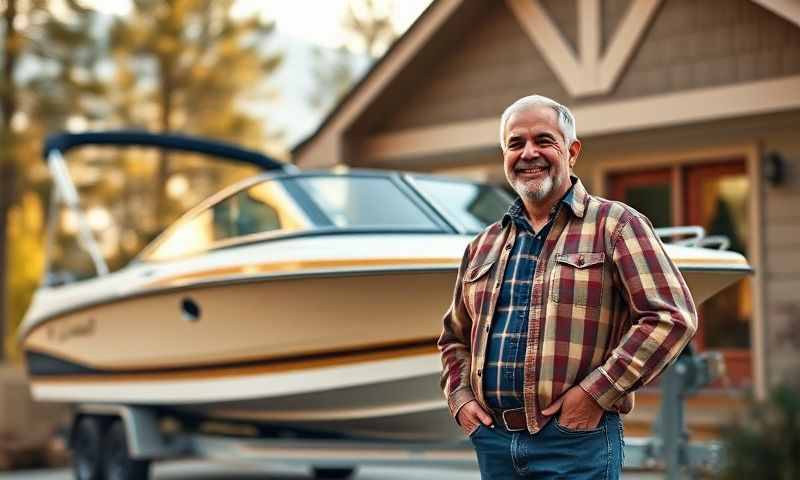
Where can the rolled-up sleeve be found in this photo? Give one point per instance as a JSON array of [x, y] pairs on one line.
[[454, 345], [662, 312]]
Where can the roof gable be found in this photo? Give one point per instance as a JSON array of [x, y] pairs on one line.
[[465, 60]]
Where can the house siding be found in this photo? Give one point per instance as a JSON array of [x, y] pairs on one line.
[[481, 73], [710, 43], [782, 251], [689, 45]]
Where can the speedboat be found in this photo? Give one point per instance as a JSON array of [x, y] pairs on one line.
[[306, 299]]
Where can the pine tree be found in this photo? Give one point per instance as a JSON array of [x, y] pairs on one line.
[[187, 65]]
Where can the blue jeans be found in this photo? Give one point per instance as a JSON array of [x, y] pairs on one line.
[[554, 452]]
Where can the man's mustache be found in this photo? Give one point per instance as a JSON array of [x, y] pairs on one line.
[[524, 166]]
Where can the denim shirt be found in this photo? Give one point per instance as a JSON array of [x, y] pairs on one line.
[[504, 373]]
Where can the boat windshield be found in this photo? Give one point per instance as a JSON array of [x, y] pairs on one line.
[[296, 205], [346, 202], [471, 206]]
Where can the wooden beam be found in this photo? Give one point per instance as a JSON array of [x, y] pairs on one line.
[[625, 41], [641, 113], [587, 72], [547, 38], [788, 9]]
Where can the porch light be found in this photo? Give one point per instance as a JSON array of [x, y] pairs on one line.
[[774, 168]]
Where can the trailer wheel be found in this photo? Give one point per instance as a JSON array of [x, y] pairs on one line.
[[87, 453], [333, 473], [117, 462]]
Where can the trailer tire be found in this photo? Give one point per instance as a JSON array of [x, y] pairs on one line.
[[87, 451], [333, 473], [117, 462]]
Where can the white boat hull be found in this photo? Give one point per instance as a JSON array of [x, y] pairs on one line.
[[354, 355]]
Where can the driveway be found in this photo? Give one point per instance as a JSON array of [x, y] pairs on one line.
[[204, 470]]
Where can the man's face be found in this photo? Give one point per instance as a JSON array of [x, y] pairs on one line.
[[536, 159]]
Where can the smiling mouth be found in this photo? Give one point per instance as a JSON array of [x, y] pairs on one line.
[[532, 171]]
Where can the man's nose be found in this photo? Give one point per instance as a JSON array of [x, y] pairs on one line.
[[529, 151]]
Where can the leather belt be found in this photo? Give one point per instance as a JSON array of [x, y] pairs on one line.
[[512, 419]]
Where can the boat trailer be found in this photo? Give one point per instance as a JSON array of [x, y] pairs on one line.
[[146, 439]]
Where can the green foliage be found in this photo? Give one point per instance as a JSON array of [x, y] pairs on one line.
[[765, 442], [187, 65], [64, 48]]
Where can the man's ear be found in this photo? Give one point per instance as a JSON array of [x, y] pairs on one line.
[[574, 152]]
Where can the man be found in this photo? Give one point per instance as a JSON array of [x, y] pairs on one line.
[[561, 310]]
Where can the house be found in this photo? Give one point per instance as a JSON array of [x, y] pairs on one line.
[[689, 111]]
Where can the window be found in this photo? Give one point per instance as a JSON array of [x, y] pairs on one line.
[[364, 202], [715, 196], [473, 206], [650, 192]]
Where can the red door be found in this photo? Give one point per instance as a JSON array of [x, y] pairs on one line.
[[716, 196]]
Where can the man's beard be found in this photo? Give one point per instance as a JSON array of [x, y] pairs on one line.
[[537, 192]]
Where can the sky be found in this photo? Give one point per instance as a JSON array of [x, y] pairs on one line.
[[319, 21], [300, 25], [315, 21]]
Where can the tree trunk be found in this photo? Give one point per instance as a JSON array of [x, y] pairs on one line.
[[8, 180], [8, 174]]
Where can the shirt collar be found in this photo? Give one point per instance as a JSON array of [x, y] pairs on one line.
[[575, 199]]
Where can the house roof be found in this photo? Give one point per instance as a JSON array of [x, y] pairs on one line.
[[443, 21]]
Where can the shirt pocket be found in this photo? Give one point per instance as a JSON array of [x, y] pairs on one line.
[[477, 287], [578, 279]]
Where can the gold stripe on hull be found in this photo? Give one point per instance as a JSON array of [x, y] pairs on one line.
[[317, 360]]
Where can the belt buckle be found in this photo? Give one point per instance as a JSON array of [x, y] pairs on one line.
[[506, 421]]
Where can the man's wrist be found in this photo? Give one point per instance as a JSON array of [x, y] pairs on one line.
[[590, 397], [602, 390], [458, 399]]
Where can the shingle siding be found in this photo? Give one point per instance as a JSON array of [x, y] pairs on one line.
[[689, 45], [782, 262]]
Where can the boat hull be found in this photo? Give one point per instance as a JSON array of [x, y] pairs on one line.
[[270, 321], [397, 398], [346, 350]]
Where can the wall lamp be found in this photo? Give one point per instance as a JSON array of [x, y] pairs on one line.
[[774, 168]]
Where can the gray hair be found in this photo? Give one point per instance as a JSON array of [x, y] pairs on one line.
[[566, 122]]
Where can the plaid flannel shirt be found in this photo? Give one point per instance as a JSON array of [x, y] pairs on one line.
[[609, 310], [504, 367]]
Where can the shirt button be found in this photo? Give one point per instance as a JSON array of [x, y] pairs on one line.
[[486, 328], [508, 246], [480, 372], [580, 260]]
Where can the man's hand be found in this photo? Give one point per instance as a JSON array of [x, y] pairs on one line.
[[471, 414], [579, 411]]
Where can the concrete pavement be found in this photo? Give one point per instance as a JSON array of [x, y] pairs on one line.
[[204, 470]]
